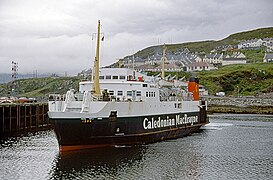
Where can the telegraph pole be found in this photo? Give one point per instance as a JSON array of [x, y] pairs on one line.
[[14, 76], [163, 62]]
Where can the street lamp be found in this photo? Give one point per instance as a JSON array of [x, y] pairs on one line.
[[238, 91]]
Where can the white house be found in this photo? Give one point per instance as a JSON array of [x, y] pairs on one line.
[[199, 66], [235, 58], [268, 57], [253, 43], [213, 58], [231, 60], [269, 47], [267, 41], [168, 68]]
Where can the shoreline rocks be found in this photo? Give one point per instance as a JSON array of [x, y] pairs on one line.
[[240, 110], [242, 105]]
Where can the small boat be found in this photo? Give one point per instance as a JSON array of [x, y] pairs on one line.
[[121, 107]]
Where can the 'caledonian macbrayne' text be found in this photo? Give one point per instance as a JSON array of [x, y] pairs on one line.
[[160, 122]]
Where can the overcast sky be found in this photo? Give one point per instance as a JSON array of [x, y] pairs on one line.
[[56, 35]]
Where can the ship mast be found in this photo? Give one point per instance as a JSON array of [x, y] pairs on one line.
[[163, 62], [96, 86]]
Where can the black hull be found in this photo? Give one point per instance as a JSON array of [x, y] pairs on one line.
[[74, 134]]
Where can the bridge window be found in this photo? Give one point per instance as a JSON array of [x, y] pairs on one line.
[[178, 105], [130, 78], [129, 93], [121, 77], [115, 77], [108, 76], [120, 93], [111, 93], [101, 77], [138, 93]]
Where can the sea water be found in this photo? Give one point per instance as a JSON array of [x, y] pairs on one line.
[[230, 147]]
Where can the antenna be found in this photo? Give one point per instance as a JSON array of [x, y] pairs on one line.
[[133, 62]]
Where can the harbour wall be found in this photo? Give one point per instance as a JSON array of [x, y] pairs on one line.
[[16, 119], [241, 105]]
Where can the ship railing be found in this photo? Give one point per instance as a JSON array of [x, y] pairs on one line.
[[97, 98], [184, 97], [55, 106], [171, 98], [56, 102], [56, 97]]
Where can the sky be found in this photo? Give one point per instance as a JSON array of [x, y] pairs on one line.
[[57, 36]]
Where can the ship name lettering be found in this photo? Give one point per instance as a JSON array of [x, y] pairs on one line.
[[158, 123], [186, 119]]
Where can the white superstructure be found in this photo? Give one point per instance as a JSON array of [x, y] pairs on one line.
[[124, 85], [125, 91]]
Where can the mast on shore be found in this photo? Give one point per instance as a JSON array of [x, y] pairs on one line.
[[163, 62], [96, 86]]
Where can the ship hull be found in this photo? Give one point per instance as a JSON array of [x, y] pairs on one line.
[[79, 133]]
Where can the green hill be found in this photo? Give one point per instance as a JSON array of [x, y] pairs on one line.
[[203, 47], [249, 79], [41, 87]]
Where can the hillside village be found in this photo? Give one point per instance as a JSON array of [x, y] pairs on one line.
[[185, 60]]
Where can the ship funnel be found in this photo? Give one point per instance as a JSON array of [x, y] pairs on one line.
[[193, 87]]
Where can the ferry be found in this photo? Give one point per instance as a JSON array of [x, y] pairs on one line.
[[122, 107]]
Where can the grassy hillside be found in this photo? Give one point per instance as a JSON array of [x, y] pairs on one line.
[[206, 46], [233, 39], [254, 56], [38, 87], [250, 79], [257, 33]]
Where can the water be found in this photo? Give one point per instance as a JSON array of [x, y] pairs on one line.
[[230, 147]]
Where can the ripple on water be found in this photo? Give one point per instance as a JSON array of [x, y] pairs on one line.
[[28, 157], [237, 149]]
